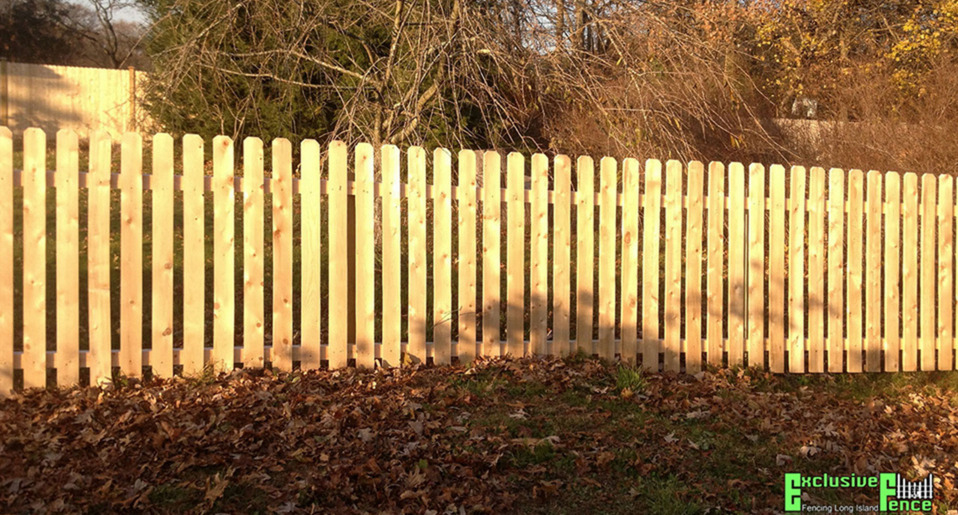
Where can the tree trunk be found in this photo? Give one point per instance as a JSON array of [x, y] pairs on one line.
[[578, 39], [560, 23]]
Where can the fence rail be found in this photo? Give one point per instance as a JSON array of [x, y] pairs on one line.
[[670, 266]]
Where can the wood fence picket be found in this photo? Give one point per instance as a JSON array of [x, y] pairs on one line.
[[673, 266]]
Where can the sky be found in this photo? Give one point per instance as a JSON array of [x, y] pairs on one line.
[[129, 14]]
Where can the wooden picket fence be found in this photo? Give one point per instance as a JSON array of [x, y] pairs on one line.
[[794, 270], [56, 97]]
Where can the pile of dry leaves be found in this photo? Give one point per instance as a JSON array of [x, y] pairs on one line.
[[503, 435]]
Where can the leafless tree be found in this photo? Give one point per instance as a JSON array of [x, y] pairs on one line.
[[592, 76], [109, 40], [396, 70]]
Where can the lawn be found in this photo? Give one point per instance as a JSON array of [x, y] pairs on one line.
[[535, 435]]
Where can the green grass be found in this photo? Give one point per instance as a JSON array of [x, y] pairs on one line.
[[171, 496], [629, 378], [866, 386], [724, 451]]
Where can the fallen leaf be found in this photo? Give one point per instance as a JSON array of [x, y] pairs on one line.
[[215, 490]]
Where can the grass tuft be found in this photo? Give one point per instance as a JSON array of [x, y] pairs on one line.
[[631, 378]]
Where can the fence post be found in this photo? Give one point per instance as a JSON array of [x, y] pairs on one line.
[[131, 123], [363, 258], [351, 266], [4, 94], [6, 262], [338, 312], [311, 307]]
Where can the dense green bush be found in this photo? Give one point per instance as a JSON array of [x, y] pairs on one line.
[[378, 71]]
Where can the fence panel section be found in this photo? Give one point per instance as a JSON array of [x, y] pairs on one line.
[[686, 268]]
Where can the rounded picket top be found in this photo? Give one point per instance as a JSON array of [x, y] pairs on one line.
[[388, 150], [308, 143], [131, 154], [540, 171], [67, 152], [835, 174], [515, 176], [442, 153], [163, 138], [608, 179], [716, 167], [337, 146], [253, 159], [416, 152], [491, 162], [131, 137], [309, 161], [33, 136], [365, 163], [364, 148], [222, 143], [253, 144], [281, 147], [101, 135], [465, 154], [390, 164], [516, 156], [193, 140], [34, 151], [62, 133]]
